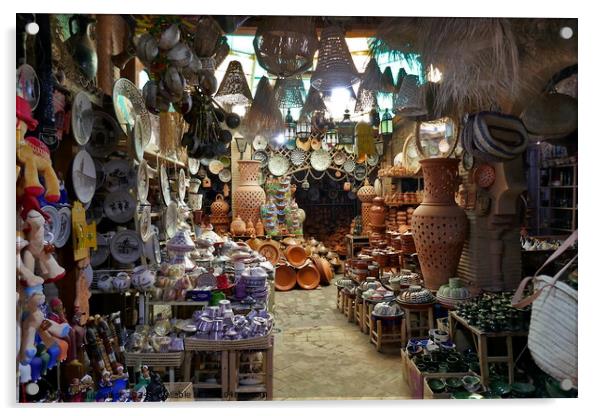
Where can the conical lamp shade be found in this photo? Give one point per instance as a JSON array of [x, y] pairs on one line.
[[263, 117], [401, 74], [389, 84], [234, 89], [335, 67], [410, 100], [313, 103], [366, 100], [289, 92], [372, 79]]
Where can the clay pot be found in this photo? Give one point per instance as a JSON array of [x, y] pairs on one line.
[[259, 231], [295, 255], [285, 278], [439, 225], [378, 213], [308, 277], [219, 207], [249, 196], [81, 46], [238, 226]]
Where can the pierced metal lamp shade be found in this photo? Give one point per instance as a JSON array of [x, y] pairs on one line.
[[263, 117], [335, 67], [289, 92], [285, 46], [388, 83], [372, 79], [366, 100], [313, 103], [234, 89], [410, 100], [401, 74]]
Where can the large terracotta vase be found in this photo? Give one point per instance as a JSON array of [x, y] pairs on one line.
[[439, 225], [378, 213], [366, 194], [249, 196]]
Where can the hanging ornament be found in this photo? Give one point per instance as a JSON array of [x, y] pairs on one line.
[[234, 89]]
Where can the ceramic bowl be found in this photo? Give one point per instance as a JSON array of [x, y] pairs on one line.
[[471, 383], [436, 385], [453, 383]]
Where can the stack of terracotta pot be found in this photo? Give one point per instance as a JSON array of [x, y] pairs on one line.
[[302, 269]]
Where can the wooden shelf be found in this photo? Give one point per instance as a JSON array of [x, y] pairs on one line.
[[251, 389], [153, 155], [207, 385], [178, 303]]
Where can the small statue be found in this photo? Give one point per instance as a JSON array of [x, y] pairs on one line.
[[106, 380], [87, 388], [144, 379], [75, 392], [155, 390]]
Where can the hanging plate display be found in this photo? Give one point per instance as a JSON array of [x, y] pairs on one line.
[[372, 160], [360, 172], [349, 166], [126, 247], [349, 148], [215, 167], [120, 206], [181, 185], [152, 248], [145, 223], [119, 175], [83, 176], [28, 85], [105, 135], [226, 162], [193, 165], [225, 175], [164, 185], [262, 157], [411, 158], [303, 145], [128, 103], [171, 219], [143, 182], [82, 118], [278, 165], [316, 143], [339, 157], [320, 160], [101, 254], [467, 160], [65, 227], [100, 173], [52, 226], [137, 140], [298, 157], [260, 143]]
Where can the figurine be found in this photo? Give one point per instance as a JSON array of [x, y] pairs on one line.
[[38, 251], [58, 315], [106, 379], [87, 388], [75, 393], [121, 374], [155, 390], [27, 277], [144, 378]]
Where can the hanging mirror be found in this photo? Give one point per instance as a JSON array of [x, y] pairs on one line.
[[436, 138]]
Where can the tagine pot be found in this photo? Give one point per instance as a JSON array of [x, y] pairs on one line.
[[439, 225], [249, 196]]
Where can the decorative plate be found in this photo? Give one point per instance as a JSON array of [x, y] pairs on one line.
[[100, 173], [467, 160], [262, 157], [372, 160], [171, 219], [316, 143], [320, 160], [164, 185], [349, 148], [28, 85], [105, 136], [137, 141], [398, 160], [339, 158], [225, 175], [205, 161], [226, 162], [152, 248], [83, 176], [82, 118], [120, 206], [290, 144], [143, 181], [303, 145], [193, 165], [53, 225], [126, 247], [278, 165], [298, 157], [349, 166], [101, 254], [360, 172], [260, 143], [128, 103], [65, 227], [145, 223], [484, 175], [119, 175], [215, 167], [181, 185], [270, 250], [411, 158]]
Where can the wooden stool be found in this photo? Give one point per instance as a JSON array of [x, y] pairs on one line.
[[418, 320], [350, 307], [367, 317], [340, 299], [359, 311], [386, 330]]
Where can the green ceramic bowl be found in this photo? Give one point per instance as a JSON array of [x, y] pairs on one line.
[[475, 396], [471, 383], [436, 385], [462, 394], [500, 388], [522, 389], [453, 383]]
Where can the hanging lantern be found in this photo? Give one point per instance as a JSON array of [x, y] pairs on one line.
[[331, 137], [346, 130], [290, 127], [313, 103], [289, 92], [303, 128], [386, 125], [335, 67], [410, 100], [234, 89], [366, 100]]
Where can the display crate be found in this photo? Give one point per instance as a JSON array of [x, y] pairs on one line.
[[429, 394], [198, 365], [258, 362], [180, 392]]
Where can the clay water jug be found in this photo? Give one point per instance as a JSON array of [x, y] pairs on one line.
[[81, 46]]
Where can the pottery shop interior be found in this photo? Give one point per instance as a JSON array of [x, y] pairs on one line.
[[269, 207]]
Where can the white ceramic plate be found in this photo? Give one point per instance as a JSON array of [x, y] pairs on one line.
[[83, 176], [82, 118], [126, 247], [152, 249], [171, 219], [120, 206], [262, 157], [215, 167], [65, 227], [28, 85], [143, 182], [225, 175], [105, 135], [119, 175], [278, 165], [339, 157], [181, 185], [100, 173], [372, 160], [164, 185], [349, 166], [102, 252], [298, 157], [138, 142], [53, 225], [145, 222], [260, 143], [320, 160], [129, 103], [193, 165]]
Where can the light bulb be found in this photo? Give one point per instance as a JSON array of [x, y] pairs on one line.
[[443, 146], [566, 32], [32, 28]]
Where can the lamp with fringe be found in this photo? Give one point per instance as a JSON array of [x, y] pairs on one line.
[[289, 92], [313, 103], [388, 83], [263, 117], [410, 100], [234, 89], [335, 67]]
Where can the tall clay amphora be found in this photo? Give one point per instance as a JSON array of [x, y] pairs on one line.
[[249, 196], [439, 225]]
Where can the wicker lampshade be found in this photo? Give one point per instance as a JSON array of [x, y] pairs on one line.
[[410, 100], [285, 46], [313, 103], [289, 92], [372, 78], [366, 100], [263, 117], [234, 89], [388, 83], [335, 67], [208, 34], [401, 74]]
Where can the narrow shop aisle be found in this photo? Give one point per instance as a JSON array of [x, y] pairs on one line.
[[319, 355]]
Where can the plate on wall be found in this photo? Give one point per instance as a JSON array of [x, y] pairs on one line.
[[105, 135], [119, 175], [145, 223], [262, 157], [82, 118], [128, 104], [164, 179], [120, 206], [126, 247], [278, 165], [320, 160], [171, 219], [28, 85], [181, 185], [65, 227], [83, 176], [102, 252], [51, 227], [260, 143], [143, 181]]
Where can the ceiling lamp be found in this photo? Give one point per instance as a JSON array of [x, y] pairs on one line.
[[285, 46], [335, 67], [234, 89], [366, 100], [401, 74], [388, 83], [346, 130], [372, 78], [410, 100], [313, 103], [289, 92], [263, 117]]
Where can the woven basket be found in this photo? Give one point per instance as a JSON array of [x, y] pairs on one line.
[[159, 359], [335, 67], [259, 343], [553, 330]]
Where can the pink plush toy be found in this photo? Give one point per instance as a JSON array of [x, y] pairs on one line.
[[38, 251]]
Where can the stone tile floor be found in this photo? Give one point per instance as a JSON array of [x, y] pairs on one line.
[[320, 356]]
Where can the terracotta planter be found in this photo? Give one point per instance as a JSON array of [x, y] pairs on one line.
[[308, 277], [295, 255], [249, 196], [285, 278], [439, 225]]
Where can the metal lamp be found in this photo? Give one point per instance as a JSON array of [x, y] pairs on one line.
[[346, 130], [303, 128], [386, 125], [241, 145]]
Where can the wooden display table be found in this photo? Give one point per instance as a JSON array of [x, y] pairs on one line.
[[359, 306], [169, 360], [355, 241], [480, 339], [418, 319], [386, 330]]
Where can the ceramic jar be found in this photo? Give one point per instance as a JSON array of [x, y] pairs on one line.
[[81, 46], [219, 207], [378, 213], [417, 295], [143, 279], [249, 196], [238, 226], [439, 225]]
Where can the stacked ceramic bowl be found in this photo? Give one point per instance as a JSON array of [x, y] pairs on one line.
[[254, 279], [416, 295], [219, 323], [269, 216], [453, 293], [281, 199]]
